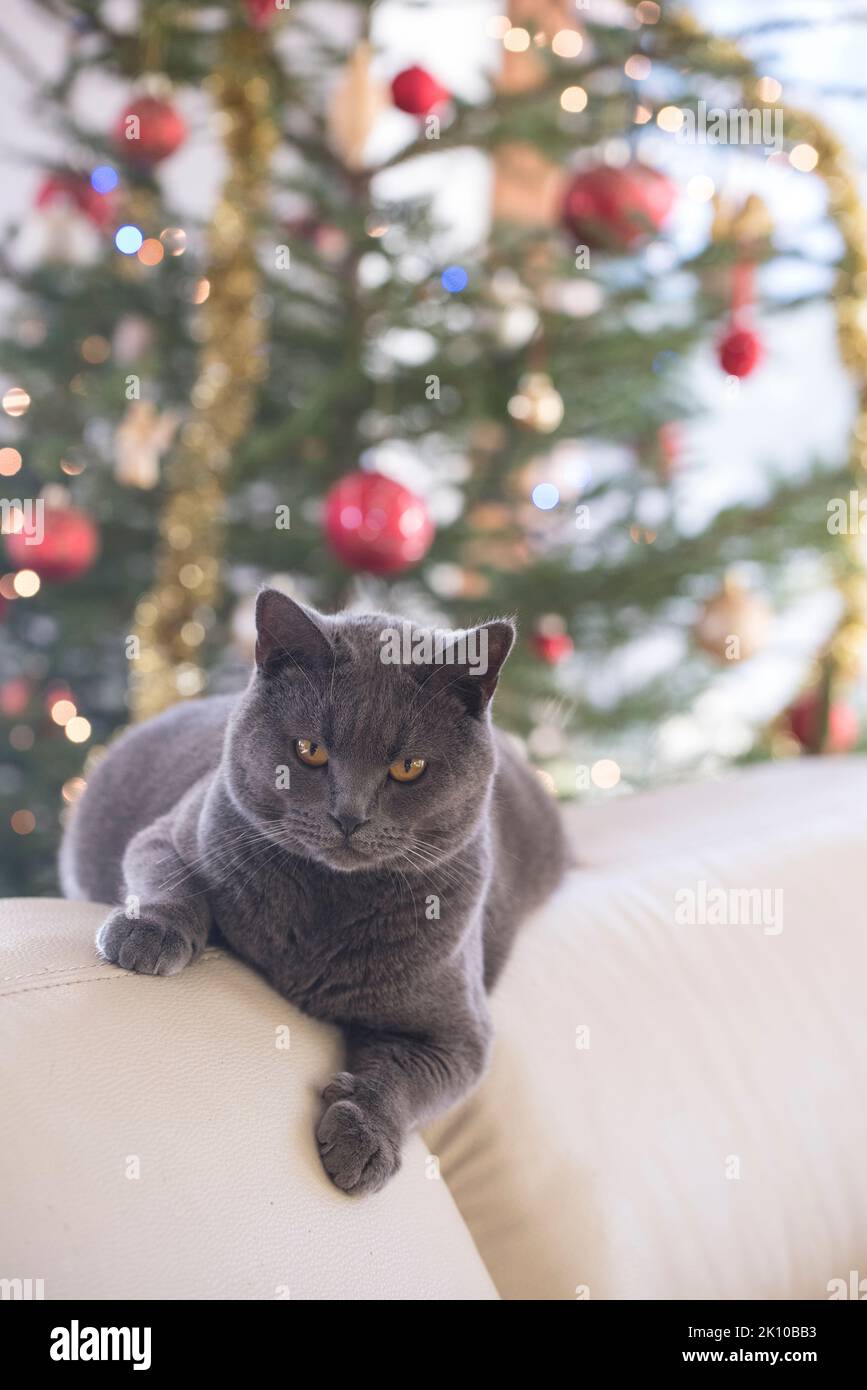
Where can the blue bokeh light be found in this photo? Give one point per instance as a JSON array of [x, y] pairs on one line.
[[664, 360], [128, 239], [104, 178], [454, 279], [545, 496]]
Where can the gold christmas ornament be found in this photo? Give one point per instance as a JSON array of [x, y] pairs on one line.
[[744, 223], [356, 103], [453, 581], [734, 624], [487, 437], [504, 552], [537, 404], [528, 188], [232, 362], [140, 441], [490, 516]]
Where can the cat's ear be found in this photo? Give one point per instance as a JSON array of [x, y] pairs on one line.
[[469, 666], [289, 635]]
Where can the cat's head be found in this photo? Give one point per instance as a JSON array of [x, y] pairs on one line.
[[364, 741]]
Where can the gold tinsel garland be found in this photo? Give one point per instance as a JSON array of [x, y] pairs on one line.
[[171, 620], [842, 658]]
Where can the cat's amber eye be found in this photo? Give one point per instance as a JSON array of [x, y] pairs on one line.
[[313, 754], [407, 769]]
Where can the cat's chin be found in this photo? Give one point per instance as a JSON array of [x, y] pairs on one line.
[[346, 859]]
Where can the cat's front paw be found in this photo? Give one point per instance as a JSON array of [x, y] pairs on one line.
[[143, 944], [359, 1151]]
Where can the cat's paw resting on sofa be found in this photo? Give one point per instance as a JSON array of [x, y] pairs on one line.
[[143, 944], [359, 1148], [355, 827]]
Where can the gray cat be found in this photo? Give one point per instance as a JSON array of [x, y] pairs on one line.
[[354, 827]]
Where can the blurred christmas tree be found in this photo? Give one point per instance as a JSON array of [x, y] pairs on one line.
[[311, 387]]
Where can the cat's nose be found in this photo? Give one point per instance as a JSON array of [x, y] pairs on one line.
[[348, 823]]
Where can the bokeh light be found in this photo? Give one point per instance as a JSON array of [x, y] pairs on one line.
[[103, 178], [62, 711], [27, 583], [174, 239], [803, 158], [769, 89], [72, 789], [128, 239], [454, 279], [95, 349], [637, 67], [10, 462], [151, 251], [545, 496], [16, 402], [670, 118], [573, 99], [22, 822], [78, 729], [567, 43], [516, 40], [605, 774]]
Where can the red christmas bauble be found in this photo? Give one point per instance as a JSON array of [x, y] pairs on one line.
[[669, 447], [261, 12], [553, 647], [415, 91], [617, 208], [75, 189], [843, 729], [14, 697], [68, 548], [373, 523], [740, 351], [330, 241], [160, 131]]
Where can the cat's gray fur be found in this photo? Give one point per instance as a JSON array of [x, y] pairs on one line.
[[184, 822]]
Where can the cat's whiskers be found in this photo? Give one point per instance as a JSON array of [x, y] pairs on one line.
[[250, 840], [189, 868], [266, 863], [431, 855], [402, 875], [424, 867], [227, 837], [232, 864]]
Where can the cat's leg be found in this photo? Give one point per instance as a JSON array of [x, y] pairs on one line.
[[395, 1082], [165, 919]]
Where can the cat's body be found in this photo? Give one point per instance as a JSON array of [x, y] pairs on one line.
[[388, 908]]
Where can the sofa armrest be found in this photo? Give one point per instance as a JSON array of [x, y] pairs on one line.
[[159, 1138]]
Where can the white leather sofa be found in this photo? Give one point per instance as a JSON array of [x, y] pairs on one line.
[[677, 1105]]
